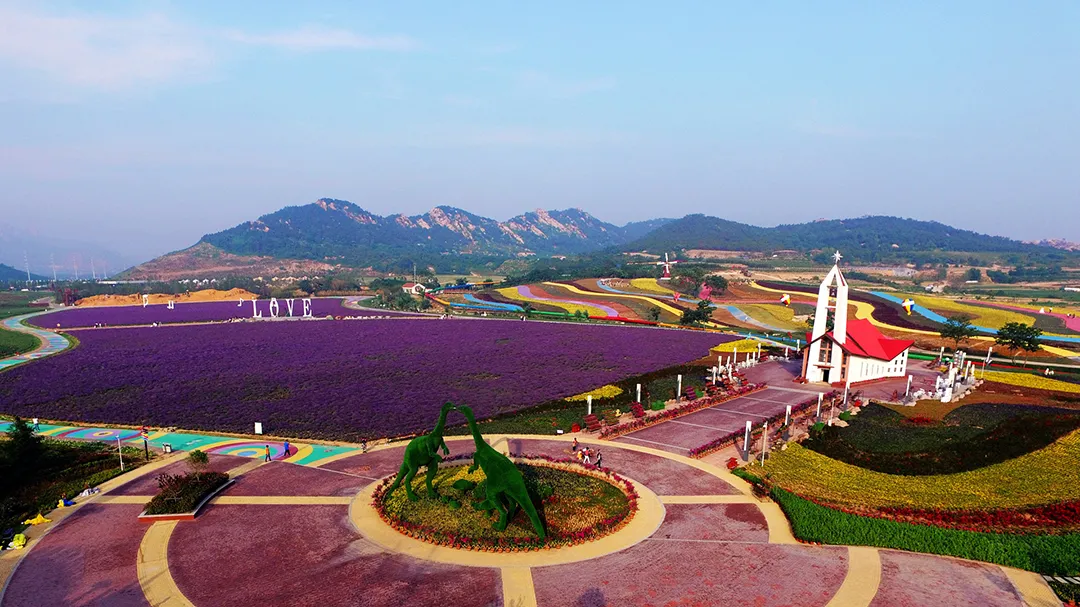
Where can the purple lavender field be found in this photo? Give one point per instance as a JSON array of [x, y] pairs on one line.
[[333, 379], [187, 312]]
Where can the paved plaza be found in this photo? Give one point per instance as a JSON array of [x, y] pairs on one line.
[[296, 534]]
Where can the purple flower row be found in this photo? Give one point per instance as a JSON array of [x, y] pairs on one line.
[[208, 311], [345, 380]]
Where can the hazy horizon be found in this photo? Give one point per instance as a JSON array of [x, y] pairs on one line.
[[137, 128]]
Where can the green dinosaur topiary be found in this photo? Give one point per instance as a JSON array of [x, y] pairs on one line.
[[423, 451], [504, 486]]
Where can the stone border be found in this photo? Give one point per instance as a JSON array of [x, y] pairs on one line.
[[185, 516]]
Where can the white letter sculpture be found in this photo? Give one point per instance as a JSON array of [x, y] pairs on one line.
[[145, 300], [255, 309], [307, 308], [289, 306], [273, 307]]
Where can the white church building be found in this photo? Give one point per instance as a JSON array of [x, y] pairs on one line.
[[854, 350]]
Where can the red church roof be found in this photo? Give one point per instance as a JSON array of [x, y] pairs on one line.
[[864, 339]]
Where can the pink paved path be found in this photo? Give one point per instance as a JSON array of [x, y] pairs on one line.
[[297, 555]]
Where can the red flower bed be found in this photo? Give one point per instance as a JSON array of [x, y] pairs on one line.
[[1063, 517], [651, 420]]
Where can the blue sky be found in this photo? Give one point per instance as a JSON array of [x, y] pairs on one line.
[[143, 125]]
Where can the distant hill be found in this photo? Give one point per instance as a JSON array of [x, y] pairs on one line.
[[331, 234], [10, 274], [870, 239], [340, 233]]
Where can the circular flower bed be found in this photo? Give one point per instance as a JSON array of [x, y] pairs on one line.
[[577, 503]]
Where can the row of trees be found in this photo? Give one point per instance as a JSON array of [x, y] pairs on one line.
[[1016, 337]]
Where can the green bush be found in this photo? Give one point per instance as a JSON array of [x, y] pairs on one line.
[[845, 416], [181, 493], [1045, 554], [657, 405]]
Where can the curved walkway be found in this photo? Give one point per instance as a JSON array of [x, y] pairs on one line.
[[51, 342], [286, 533]]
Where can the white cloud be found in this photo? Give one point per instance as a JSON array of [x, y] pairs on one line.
[[119, 52], [103, 52], [316, 38], [558, 88]]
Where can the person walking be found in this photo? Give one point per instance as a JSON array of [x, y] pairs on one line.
[[586, 460], [575, 446], [363, 446], [267, 453], [599, 458], [286, 454]]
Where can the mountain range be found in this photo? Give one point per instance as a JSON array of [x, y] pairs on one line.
[[8, 273], [331, 233]]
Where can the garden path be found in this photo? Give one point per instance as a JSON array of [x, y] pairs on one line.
[[51, 343], [286, 533]]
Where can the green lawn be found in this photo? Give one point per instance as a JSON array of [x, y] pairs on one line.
[[13, 342]]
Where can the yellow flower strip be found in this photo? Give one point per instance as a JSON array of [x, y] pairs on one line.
[[742, 345], [993, 318], [1046, 476], [608, 391], [1027, 380], [1056, 351], [650, 300], [512, 293], [650, 285], [774, 315]]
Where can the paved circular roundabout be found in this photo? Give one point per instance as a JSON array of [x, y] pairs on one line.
[[306, 535]]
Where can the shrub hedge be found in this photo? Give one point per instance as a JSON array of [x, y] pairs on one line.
[[1045, 554], [182, 492]]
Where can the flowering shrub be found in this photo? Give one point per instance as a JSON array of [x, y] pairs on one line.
[[580, 503], [662, 416], [181, 493], [1027, 380], [608, 391]]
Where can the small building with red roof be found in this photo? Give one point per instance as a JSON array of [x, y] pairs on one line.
[[840, 351]]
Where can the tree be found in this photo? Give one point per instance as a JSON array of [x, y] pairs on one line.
[[974, 274], [654, 314], [958, 329], [527, 308], [701, 314], [461, 281], [716, 282], [1017, 337], [23, 445]]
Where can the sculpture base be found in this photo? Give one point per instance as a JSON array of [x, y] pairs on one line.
[[578, 504]]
